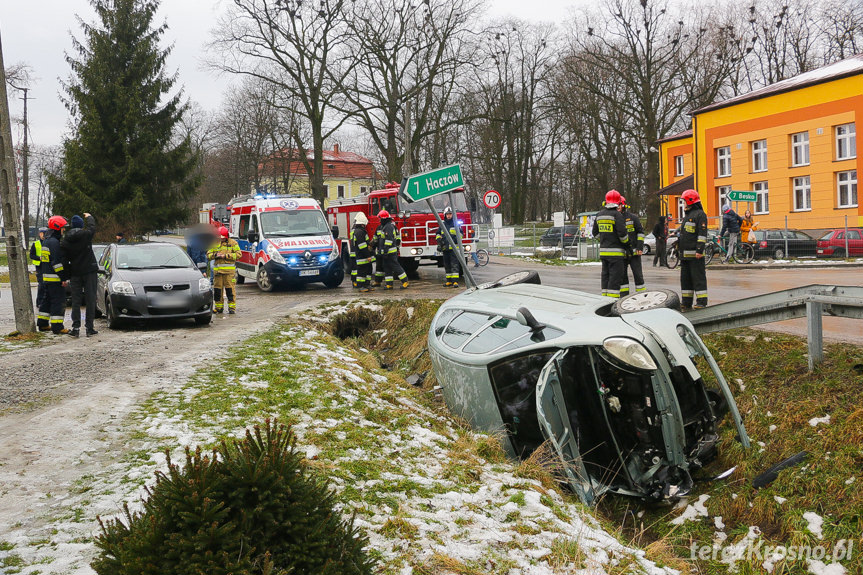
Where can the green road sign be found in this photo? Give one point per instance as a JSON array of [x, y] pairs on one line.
[[742, 196], [422, 186]]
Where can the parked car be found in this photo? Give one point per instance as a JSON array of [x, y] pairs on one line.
[[613, 385], [835, 244], [97, 252], [649, 244], [551, 237], [151, 281], [772, 243]]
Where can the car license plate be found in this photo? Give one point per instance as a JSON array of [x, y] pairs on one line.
[[820, 251], [309, 272]]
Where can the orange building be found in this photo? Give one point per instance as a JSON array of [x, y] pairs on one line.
[[792, 145]]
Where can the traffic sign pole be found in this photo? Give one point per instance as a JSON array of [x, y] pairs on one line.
[[470, 281]]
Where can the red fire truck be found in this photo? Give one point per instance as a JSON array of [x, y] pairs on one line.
[[416, 223]]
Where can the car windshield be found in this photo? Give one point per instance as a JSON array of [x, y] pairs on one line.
[[439, 202], [826, 236], [290, 223], [148, 256]]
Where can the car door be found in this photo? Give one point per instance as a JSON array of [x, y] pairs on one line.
[[855, 243], [103, 276], [554, 422]]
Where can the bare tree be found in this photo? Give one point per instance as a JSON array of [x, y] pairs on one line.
[[841, 26]]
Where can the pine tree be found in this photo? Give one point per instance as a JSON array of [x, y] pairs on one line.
[[124, 162]]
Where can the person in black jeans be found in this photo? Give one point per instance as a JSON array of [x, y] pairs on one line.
[[80, 263], [660, 232]]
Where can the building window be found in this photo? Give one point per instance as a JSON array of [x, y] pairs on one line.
[[326, 190], [363, 189], [723, 195], [802, 189], [678, 165], [723, 162], [800, 149], [847, 188], [762, 204], [759, 156], [846, 141], [341, 191], [681, 209]]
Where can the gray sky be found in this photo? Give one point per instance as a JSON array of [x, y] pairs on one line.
[[38, 33]]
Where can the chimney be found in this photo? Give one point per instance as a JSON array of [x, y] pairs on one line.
[[335, 148]]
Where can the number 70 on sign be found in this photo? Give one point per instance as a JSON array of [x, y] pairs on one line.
[[491, 199]]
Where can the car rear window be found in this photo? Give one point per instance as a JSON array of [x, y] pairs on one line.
[[501, 332], [826, 236], [462, 327]]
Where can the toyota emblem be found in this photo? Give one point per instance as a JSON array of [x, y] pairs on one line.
[[167, 287]]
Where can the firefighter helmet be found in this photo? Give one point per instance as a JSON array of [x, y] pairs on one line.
[[447, 210], [383, 214], [613, 199], [223, 231], [690, 197], [57, 222], [360, 219]]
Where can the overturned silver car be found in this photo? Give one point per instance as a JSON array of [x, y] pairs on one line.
[[612, 385]]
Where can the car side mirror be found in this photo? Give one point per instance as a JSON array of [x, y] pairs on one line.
[[252, 236], [335, 231], [524, 317]]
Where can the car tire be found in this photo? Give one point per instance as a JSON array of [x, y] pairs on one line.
[[839, 253], [523, 277], [645, 251], [646, 300], [204, 320], [335, 282], [779, 254], [240, 279], [114, 322], [265, 284]]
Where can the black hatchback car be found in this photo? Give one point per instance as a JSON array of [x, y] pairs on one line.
[[781, 244], [551, 237], [151, 281]]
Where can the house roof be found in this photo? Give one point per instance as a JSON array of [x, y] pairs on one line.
[[677, 136], [678, 187], [337, 163], [841, 69]]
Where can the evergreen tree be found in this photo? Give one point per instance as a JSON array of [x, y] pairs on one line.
[[125, 161]]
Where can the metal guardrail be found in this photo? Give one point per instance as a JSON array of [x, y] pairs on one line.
[[811, 302]]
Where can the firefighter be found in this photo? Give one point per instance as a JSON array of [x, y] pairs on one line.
[[388, 247], [53, 306], [361, 254], [614, 247], [36, 260], [450, 261], [636, 240], [693, 238], [224, 254]]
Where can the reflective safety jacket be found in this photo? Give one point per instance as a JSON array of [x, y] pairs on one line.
[[361, 251], [388, 237], [635, 230], [449, 224], [52, 259], [224, 254], [693, 232], [610, 226], [36, 257]]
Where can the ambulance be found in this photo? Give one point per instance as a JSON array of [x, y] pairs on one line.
[[285, 241]]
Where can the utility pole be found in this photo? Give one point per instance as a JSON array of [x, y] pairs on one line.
[[19, 277], [25, 177]]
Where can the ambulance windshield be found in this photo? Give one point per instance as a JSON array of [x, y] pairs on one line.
[[291, 223]]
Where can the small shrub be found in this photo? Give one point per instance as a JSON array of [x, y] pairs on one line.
[[251, 507]]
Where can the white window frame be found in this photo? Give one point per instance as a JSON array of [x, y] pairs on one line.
[[800, 149], [801, 192], [723, 195], [762, 202], [723, 162], [681, 209], [759, 156], [678, 165], [340, 191], [846, 141], [846, 183]]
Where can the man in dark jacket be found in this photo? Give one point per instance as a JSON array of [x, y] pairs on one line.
[[614, 247], [660, 232], [450, 260], [388, 245], [80, 263], [731, 228], [693, 238], [636, 242], [362, 255]]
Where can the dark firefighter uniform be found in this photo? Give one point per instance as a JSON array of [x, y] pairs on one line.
[[450, 260], [53, 306], [636, 240], [362, 257], [610, 226], [36, 260], [388, 246], [224, 255], [693, 273]]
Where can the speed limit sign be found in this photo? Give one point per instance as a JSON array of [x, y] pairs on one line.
[[491, 199]]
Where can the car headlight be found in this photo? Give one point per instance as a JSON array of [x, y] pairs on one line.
[[274, 254], [630, 352], [203, 285], [335, 254], [124, 288]]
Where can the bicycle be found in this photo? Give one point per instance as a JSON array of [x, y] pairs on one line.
[[481, 258], [743, 252]]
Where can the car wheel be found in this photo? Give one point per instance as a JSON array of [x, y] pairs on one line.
[[839, 253], [645, 300], [524, 277], [779, 254], [264, 282], [114, 322], [204, 320], [334, 282], [645, 250], [240, 279]]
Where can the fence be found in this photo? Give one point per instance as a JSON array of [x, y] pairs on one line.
[[531, 239]]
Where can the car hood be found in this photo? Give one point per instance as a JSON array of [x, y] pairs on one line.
[[157, 275]]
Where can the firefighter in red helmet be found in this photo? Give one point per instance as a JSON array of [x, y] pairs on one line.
[[614, 247], [52, 310], [693, 238], [389, 240], [224, 255]]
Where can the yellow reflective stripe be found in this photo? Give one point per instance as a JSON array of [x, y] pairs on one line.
[[362, 246]]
